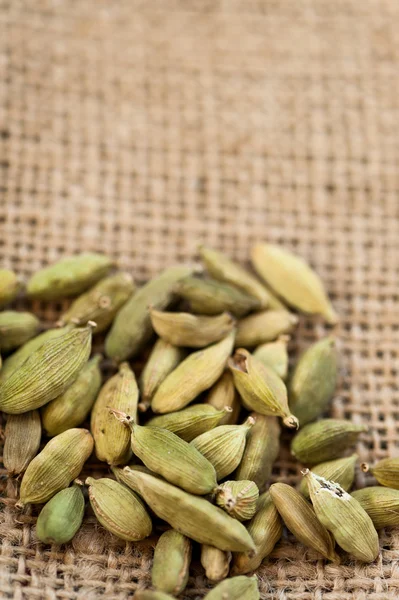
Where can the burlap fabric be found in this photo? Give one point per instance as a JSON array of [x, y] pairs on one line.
[[140, 128]]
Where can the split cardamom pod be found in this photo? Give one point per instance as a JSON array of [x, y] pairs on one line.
[[22, 441], [340, 470], [16, 328], [61, 517], [171, 563], [263, 327]]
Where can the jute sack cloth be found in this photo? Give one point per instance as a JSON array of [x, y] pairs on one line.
[[142, 128]]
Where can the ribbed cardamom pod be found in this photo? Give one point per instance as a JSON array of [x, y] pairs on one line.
[[324, 440], [101, 303], [59, 463], [22, 441], [193, 516], [192, 331], [171, 563], [238, 498], [151, 595], [340, 470], [61, 517], [260, 388], [301, 520], [47, 372], [275, 355], [342, 514], [132, 328], [72, 407], [263, 327], [223, 394], [16, 328], [235, 588], [210, 297], [9, 286], [386, 472], [111, 437], [313, 381], [118, 509], [163, 359], [193, 376], [293, 280], [68, 277], [261, 451], [215, 562], [224, 446], [266, 529], [189, 422], [381, 504]]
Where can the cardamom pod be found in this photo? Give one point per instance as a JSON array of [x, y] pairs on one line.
[[163, 359], [238, 498], [263, 327], [193, 376], [386, 472], [171, 563], [151, 595], [324, 440], [193, 516], [69, 276], [192, 331], [189, 422], [381, 504], [224, 446], [61, 517], [16, 328], [9, 286], [223, 395], [101, 303], [275, 355], [72, 407], [118, 509], [22, 441], [300, 518], [210, 297], [261, 451], [266, 529], [235, 588], [313, 381], [53, 469], [340, 470], [47, 372], [215, 562], [260, 388], [112, 438], [293, 280], [132, 328]]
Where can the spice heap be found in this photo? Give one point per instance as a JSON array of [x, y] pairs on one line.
[[191, 441]]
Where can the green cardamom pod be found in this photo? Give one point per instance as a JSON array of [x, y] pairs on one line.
[[16, 328], [189, 422], [171, 563], [238, 498], [386, 472], [340, 470], [22, 441], [235, 588], [61, 517], [9, 286], [275, 355], [223, 395], [151, 595], [381, 504], [215, 562], [263, 327]]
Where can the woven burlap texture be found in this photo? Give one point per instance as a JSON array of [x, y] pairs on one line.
[[141, 128]]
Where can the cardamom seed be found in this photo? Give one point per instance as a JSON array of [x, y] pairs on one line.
[[215, 562], [340, 470], [22, 441], [238, 498], [386, 472], [235, 588], [263, 327], [189, 422], [275, 355], [61, 517], [16, 328], [223, 395], [381, 504], [171, 563], [9, 286]]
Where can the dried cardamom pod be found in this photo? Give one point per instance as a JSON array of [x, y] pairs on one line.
[[215, 562], [386, 472], [260, 388], [194, 375], [163, 359], [22, 441], [224, 395], [381, 504], [193, 516], [72, 407], [342, 514], [112, 438], [9, 286], [238, 498], [151, 595], [263, 327], [189, 422], [301, 520], [101, 303], [171, 563], [59, 463], [224, 446], [324, 440], [57, 362], [266, 529], [16, 328], [192, 331], [293, 280], [275, 355], [261, 451], [313, 381], [69, 276], [132, 328], [340, 470], [118, 509], [61, 517], [210, 297], [235, 588]]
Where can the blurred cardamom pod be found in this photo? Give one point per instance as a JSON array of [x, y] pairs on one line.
[[263, 327], [275, 355], [171, 562], [16, 328]]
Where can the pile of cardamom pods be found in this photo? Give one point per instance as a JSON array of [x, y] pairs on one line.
[[192, 441]]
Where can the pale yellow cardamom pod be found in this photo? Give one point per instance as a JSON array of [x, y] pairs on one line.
[[9, 286], [275, 355], [386, 472], [223, 394], [263, 327], [381, 504], [215, 562]]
